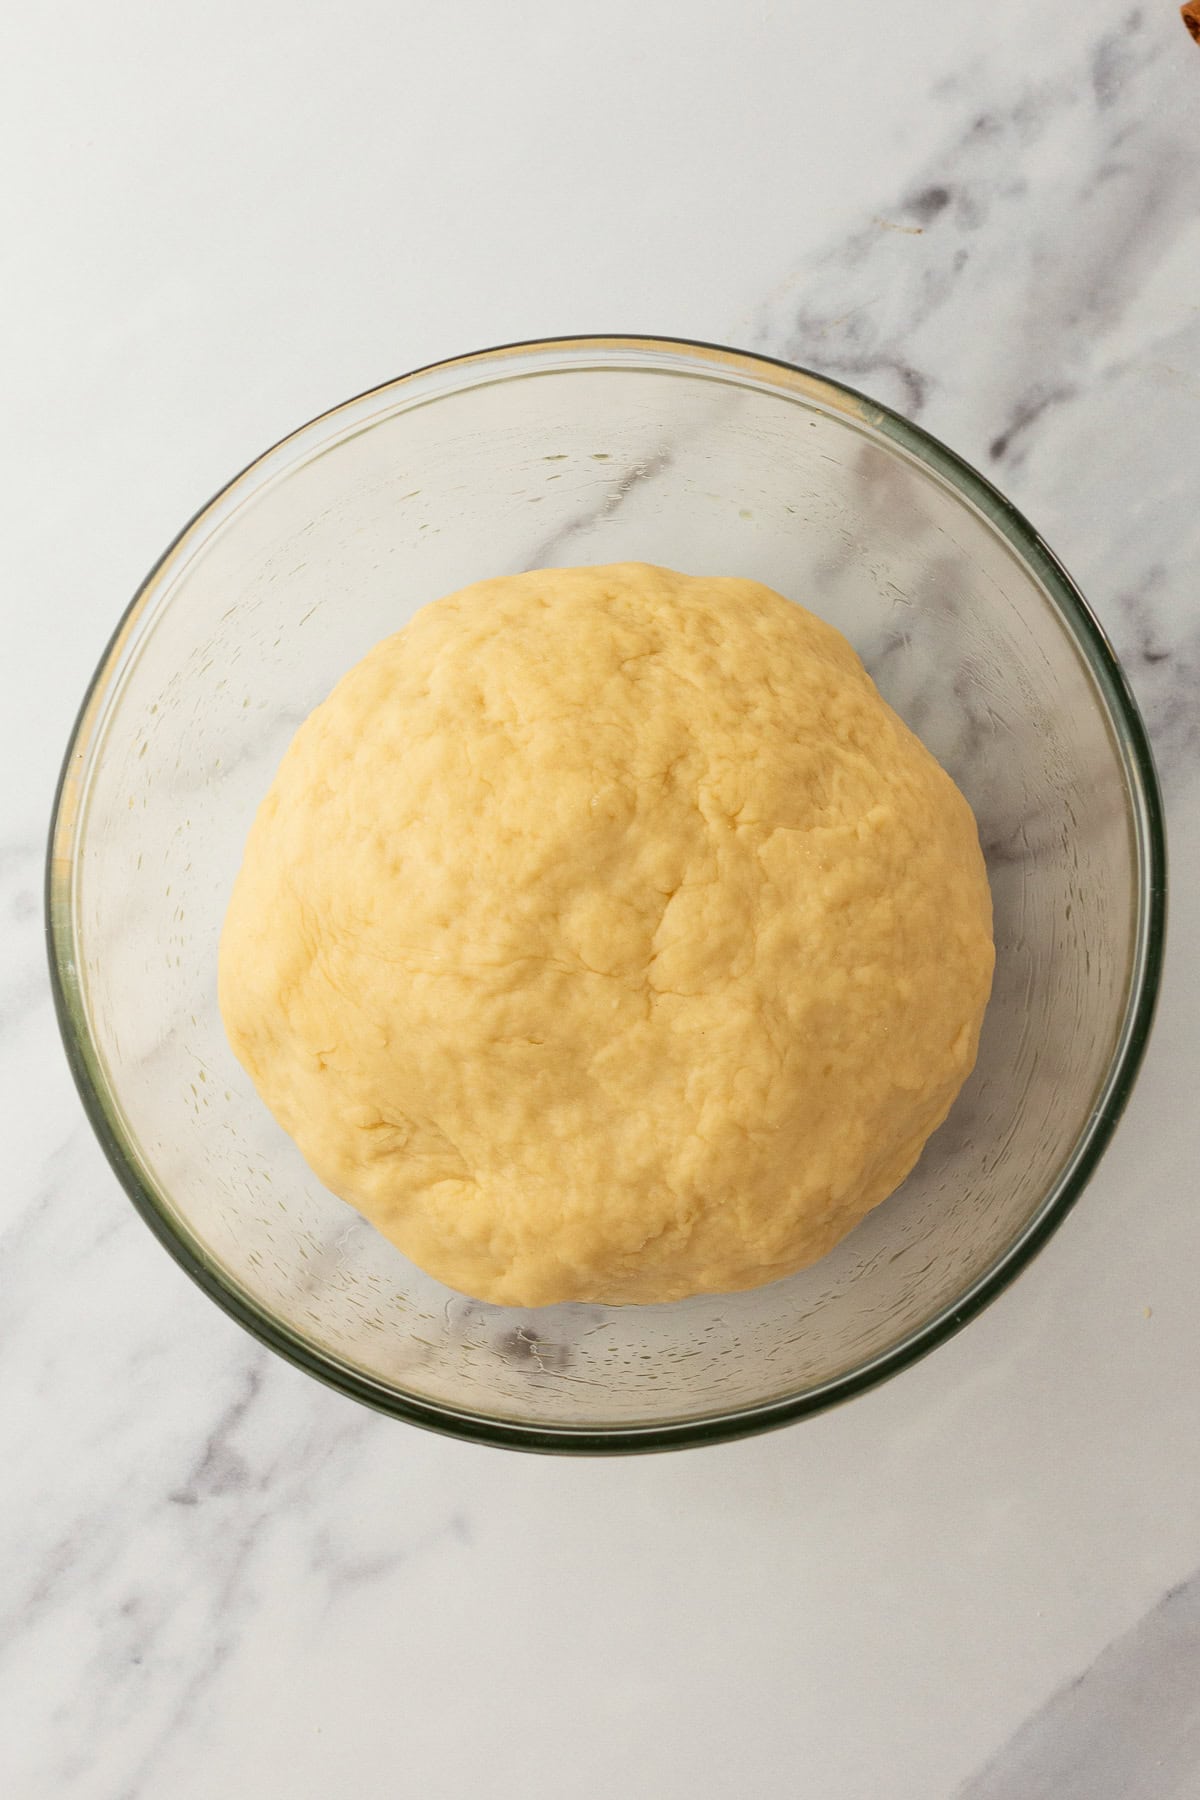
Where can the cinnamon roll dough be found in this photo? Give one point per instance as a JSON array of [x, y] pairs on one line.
[[605, 936]]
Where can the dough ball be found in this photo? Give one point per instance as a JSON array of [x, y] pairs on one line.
[[605, 936]]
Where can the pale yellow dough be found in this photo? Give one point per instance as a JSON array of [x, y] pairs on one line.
[[604, 936]]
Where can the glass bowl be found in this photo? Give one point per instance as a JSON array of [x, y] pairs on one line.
[[587, 450]]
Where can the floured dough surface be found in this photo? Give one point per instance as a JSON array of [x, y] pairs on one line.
[[605, 936]]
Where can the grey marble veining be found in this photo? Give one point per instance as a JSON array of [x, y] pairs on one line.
[[214, 1576], [1029, 295], [1127, 1725]]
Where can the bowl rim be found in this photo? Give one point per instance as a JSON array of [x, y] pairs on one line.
[[1145, 802]]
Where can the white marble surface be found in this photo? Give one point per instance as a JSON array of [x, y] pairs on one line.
[[977, 1582]]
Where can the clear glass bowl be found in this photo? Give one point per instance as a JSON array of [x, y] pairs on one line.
[[601, 450]]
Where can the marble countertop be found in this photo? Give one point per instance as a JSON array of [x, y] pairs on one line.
[[980, 1582]]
